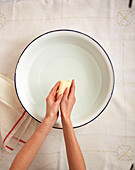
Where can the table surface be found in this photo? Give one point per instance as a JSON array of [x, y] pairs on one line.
[[108, 142]]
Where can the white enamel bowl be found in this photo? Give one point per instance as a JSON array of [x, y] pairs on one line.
[[66, 55]]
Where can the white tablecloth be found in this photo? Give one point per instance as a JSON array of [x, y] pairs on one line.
[[108, 142]]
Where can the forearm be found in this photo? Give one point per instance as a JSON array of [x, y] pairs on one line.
[[29, 151], [74, 154]]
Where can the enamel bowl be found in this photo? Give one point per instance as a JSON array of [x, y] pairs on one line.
[[65, 55]]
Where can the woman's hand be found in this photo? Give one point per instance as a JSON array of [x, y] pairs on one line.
[[52, 103], [68, 101], [74, 154], [28, 152]]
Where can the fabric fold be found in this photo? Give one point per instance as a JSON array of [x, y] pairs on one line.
[[16, 125]]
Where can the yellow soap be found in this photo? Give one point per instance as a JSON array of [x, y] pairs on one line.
[[63, 85]]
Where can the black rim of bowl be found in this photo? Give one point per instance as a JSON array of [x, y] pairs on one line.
[[70, 30]]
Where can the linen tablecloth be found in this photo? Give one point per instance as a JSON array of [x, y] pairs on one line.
[[108, 142]]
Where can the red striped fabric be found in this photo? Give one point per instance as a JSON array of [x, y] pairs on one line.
[[9, 148], [22, 141], [13, 129]]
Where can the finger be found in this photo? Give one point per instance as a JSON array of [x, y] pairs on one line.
[[72, 89], [66, 93], [59, 99], [57, 114], [54, 89]]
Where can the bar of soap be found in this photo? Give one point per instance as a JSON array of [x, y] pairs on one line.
[[63, 85]]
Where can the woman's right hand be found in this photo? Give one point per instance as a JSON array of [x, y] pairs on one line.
[[68, 101]]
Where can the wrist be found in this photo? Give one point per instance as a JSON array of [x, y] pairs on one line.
[[50, 115], [65, 115], [67, 124], [65, 119], [49, 118]]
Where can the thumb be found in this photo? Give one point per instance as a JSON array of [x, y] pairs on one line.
[[59, 99]]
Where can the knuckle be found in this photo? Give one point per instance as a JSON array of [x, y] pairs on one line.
[[64, 100], [47, 98]]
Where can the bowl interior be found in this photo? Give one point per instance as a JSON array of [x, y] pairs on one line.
[[64, 55]]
